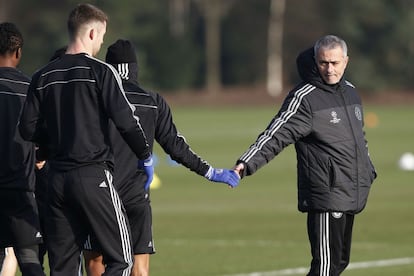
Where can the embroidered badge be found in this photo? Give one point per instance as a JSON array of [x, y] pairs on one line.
[[335, 118], [358, 113], [337, 215]]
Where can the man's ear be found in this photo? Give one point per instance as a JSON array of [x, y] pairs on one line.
[[18, 53], [92, 33]]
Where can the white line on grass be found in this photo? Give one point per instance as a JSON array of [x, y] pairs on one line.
[[358, 265]]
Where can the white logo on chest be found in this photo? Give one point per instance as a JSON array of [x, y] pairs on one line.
[[335, 118]]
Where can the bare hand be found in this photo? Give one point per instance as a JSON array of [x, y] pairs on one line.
[[40, 164], [239, 168]]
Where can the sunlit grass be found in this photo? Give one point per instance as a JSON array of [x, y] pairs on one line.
[[206, 229]]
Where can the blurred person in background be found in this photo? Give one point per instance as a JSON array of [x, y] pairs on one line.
[[323, 117], [18, 211], [157, 122], [69, 107]]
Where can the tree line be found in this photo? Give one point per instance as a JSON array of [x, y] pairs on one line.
[[189, 44]]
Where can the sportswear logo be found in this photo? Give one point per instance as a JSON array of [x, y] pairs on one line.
[[335, 118], [103, 185], [123, 70], [150, 244], [38, 235], [337, 215]]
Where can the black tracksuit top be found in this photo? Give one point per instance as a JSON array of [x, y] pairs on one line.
[[326, 125], [68, 110], [17, 156], [157, 122]]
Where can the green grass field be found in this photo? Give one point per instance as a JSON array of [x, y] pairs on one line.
[[203, 228], [206, 229]]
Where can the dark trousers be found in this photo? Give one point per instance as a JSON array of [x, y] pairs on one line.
[[83, 201], [330, 236]]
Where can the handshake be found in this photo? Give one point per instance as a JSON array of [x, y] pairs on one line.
[[229, 177], [226, 176]]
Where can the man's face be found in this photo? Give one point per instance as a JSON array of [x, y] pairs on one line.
[[331, 64]]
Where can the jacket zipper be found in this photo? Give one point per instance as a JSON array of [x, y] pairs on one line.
[[356, 145]]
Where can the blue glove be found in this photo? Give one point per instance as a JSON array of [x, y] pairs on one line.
[[148, 167], [228, 177]]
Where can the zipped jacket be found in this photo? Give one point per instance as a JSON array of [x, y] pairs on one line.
[[325, 122]]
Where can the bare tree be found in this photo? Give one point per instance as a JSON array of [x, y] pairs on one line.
[[275, 42], [213, 11], [5, 6], [179, 10]]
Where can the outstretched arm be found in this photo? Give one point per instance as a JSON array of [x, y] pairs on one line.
[[291, 123], [176, 146]]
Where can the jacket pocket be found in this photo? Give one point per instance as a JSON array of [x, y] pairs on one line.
[[373, 171], [332, 173], [321, 172]]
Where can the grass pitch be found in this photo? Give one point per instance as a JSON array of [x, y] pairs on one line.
[[206, 229]]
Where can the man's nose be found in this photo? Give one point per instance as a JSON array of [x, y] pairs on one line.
[[330, 67]]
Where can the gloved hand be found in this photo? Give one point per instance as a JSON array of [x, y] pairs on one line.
[[228, 177], [148, 167]]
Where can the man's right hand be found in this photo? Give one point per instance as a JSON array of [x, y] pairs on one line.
[[239, 168]]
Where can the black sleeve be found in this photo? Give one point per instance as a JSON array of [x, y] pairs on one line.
[[292, 122], [122, 114], [173, 143], [30, 121]]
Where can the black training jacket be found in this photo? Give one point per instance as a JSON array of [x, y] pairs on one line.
[[69, 105], [157, 122], [326, 125], [16, 155]]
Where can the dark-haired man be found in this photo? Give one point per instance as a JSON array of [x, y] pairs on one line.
[[157, 122], [18, 211]]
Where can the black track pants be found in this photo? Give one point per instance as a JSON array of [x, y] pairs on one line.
[[84, 201], [330, 236]]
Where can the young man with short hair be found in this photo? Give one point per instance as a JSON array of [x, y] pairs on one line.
[[70, 105]]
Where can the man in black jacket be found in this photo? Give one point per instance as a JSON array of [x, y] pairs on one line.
[[18, 210], [70, 105], [323, 117], [157, 122]]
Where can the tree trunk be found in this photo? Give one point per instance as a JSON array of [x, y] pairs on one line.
[[213, 51], [179, 10], [213, 11], [275, 42], [4, 10]]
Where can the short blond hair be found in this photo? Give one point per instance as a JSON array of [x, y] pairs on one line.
[[82, 15]]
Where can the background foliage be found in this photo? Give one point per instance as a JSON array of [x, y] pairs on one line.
[[378, 33]]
